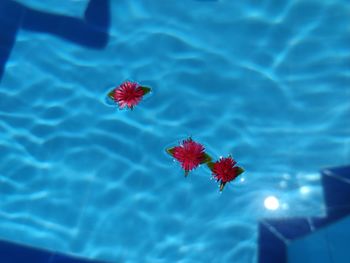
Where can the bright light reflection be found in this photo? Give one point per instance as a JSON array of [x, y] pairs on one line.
[[271, 203], [304, 190]]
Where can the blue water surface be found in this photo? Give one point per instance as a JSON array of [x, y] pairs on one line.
[[266, 81]]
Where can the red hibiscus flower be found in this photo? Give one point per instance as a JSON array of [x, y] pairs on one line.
[[128, 94], [190, 154], [224, 170]]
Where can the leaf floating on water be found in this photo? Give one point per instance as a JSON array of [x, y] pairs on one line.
[[170, 151], [111, 94], [145, 90], [210, 165], [206, 159], [189, 154], [128, 94], [239, 170], [222, 185]]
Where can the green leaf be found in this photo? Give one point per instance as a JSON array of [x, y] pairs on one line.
[[239, 170], [222, 185], [145, 90], [206, 159], [111, 94], [170, 151], [210, 165]]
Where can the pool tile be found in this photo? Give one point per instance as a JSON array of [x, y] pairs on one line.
[[312, 248], [336, 185], [271, 247], [338, 237], [59, 258], [290, 228], [280, 239], [16, 253]]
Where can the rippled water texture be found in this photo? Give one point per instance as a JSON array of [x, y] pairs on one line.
[[267, 81]]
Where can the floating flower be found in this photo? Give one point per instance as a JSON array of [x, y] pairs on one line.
[[224, 170], [190, 154], [128, 94]]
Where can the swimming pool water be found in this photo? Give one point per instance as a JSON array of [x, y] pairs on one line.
[[267, 81]]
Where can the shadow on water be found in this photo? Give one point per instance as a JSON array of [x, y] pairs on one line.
[[90, 31]]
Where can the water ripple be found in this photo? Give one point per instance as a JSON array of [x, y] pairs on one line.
[[266, 82]]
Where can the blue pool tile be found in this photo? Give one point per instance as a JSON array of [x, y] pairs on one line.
[[10, 12], [12, 253], [318, 222], [275, 234], [338, 237], [15, 253], [342, 171], [90, 32], [304, 240], [296, 235], [59, 258], [336, 185], [4, 53], [290, 228], [312, 248], [271, 247], [327, 245]]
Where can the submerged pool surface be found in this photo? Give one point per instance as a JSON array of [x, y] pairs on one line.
[[265, 81]]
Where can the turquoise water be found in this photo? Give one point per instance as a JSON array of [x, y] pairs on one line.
[[267, 81]]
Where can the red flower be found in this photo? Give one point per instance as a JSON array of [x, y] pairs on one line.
[[190, 154], [128, 94], [225, 170]]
